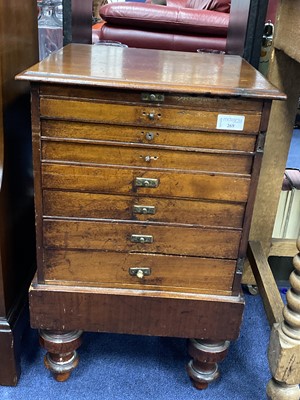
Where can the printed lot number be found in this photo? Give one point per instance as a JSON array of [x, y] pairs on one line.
[[231, 122]]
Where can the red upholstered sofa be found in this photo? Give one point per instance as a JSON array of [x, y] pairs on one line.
[[183, 25]]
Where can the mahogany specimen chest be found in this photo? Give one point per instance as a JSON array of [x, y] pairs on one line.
[[146, 164]]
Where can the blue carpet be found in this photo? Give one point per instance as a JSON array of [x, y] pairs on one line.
[[124, 367], [293, 160]]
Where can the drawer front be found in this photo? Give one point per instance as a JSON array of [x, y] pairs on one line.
[[158, 137], [146, 157], [212, 186], [103, 206], [119, 96], [108, 269], [141, 115], [141, 238]]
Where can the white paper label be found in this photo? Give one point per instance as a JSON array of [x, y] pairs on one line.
[[231, 122]]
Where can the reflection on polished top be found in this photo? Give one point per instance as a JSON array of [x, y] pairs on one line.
[[172, 71]]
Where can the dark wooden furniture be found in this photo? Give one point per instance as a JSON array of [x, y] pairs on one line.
[[18, 50], [146, 164]]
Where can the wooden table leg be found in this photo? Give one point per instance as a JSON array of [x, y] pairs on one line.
[[284, 348], [61, 357], [203, 368]]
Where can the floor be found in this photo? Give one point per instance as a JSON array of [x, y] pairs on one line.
[[293, 160], [123, 367]]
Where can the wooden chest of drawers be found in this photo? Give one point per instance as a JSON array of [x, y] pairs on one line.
[[146, 164]]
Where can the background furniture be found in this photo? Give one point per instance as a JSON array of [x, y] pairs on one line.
[[247, 19], [18, 50], [179, 25], [96, 7], [117, 191], [284, 345], [77, 21]]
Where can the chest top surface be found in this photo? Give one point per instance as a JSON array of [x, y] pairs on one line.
[[171, 71]]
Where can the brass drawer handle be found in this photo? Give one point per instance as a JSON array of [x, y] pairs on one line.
[[139, 272], [142, 239], [140, 209], [146, 182]]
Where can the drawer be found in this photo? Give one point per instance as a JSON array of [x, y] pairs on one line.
[[141, 238], [137, 97], [139, 208], [142, 156], [141, 115], [175, 273], [160, 137], [214, 186]]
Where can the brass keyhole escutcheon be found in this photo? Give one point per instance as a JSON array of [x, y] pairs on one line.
[[149, 158], [151, 115], [149, 136]]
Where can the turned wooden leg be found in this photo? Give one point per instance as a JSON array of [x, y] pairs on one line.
[[61, 357], [203, 368], [284, 348]]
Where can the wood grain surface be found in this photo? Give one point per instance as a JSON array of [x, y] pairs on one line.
[[116, 236], [110, 269], [139, 115], [102, 206], [128, 155], [212, 186], [153, 137], [145, 69]]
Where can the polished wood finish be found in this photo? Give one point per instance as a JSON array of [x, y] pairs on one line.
[[178, 184], [124, 114], [110, 134], [201, 74], [203, 368], [95, 205], [109, 137], [147, 312], [196, 275], [18, 50], [61, 357], [167, 239], [146, 157]]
